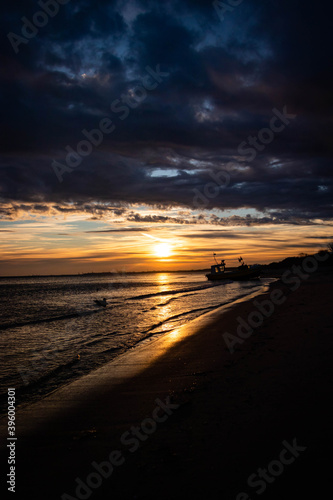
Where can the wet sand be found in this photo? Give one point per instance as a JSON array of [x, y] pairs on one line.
[[230, 413]]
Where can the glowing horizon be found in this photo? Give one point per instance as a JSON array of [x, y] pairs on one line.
[[51, 246]]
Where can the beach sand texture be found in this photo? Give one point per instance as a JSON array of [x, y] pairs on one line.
[[228, 414]]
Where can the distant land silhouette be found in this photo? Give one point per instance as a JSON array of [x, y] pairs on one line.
[[283, 264]]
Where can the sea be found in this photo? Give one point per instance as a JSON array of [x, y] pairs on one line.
[[52, 332]]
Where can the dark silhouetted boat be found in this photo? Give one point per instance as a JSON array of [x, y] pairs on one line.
[[243, 272]]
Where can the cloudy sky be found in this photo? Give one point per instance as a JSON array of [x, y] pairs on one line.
[[196, 125]]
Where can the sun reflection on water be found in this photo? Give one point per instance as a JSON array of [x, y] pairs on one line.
[[162, 278]]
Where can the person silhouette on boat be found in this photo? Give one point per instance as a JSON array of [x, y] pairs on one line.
[[242, 262]]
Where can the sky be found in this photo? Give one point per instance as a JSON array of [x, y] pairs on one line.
[[142, 135]]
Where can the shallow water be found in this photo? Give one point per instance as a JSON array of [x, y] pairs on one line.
[[52, 332]]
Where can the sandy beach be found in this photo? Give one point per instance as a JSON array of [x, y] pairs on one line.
[[183, 417]]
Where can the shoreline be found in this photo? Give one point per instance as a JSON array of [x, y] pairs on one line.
[[193, 324], [226, 406], [130, 363]]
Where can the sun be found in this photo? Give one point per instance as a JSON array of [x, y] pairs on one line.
[[162, 250]]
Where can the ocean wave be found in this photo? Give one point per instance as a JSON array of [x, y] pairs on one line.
[[183, 291], [17, 324]]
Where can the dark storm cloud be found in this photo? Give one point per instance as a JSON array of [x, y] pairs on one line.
[[223, 81], [320, 237], [233, 220]]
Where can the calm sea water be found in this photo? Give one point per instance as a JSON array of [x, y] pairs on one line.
[[51, 331]]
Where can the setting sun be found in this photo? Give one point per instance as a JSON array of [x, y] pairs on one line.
[[162, 250]]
